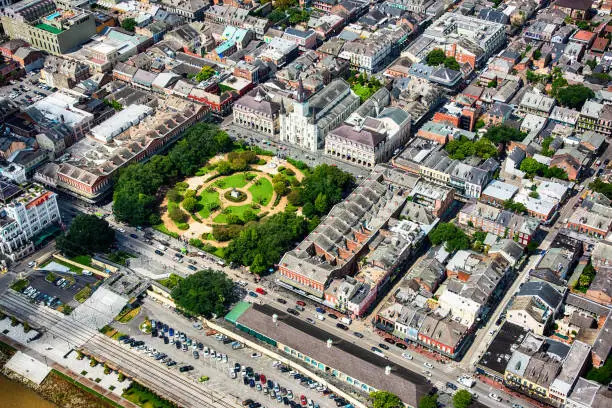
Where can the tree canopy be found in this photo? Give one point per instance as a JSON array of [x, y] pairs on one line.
[[324, 187], [261, 245], [429, 401], [205, 73], [135, 197], [504, 134], [128, 24], [532, 167], [435, 57], [87, 234], [574, 96], [385, 399], [602, 187], [462, 399], [461, 148], [452, 235], [204, 293]]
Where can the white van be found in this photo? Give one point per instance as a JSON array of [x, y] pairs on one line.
[[346, 320], [161, 247], [321, 317]]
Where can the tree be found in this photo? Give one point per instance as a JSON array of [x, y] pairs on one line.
[[492, 83], [385, 399], [269, 238], [128, 24], [174, 196], [435, 57], [190, 204], [537, 54], [276, 16], [295, 197], [450, 234], [88, 234], [429, 401], [177, 215], [530, 166], [249, 216], [321, 204], [462, 399], [504, 134], [204, 293], [204, 74], [451, 63], [601, 187], [327, 180], [224, 168], [592, 63], [574, 96], [280, 188]]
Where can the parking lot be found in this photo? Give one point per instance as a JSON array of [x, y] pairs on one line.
[[37, 280], [25, 90], [218, 370]]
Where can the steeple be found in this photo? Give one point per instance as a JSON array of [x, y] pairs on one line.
[[300, 91], [282, 107]]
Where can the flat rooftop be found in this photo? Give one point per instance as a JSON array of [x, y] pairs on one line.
[[357, 362], [498, 354]]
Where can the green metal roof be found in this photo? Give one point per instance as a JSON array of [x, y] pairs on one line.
[[237, 311], [49, 28]]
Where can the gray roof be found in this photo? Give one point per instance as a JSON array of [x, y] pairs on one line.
[[362, 136], [544, 291], [345, 356], [603, 343]]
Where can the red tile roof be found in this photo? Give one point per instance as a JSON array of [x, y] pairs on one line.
[[583, 35]]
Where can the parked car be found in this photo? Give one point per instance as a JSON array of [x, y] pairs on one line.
[[383, 346], [451, 386], [300, 302], [186, 368], [428, 365], [260, 291], [341, 326], [281, 301], [389, 340], [253, 294], [332, 316], [358, 335], [401, 346], [495, 397]]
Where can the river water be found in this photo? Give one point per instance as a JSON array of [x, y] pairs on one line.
[[16, 395]]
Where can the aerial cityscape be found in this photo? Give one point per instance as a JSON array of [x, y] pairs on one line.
[[305, 203]]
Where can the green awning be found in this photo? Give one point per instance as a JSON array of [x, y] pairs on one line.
[[237, 311]]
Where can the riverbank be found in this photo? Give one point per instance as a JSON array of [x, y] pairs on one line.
[[56, 389]]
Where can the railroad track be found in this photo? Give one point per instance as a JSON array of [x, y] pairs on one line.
[[169, 383]]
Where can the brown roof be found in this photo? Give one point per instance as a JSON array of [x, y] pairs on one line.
[[600, 44], [575, 4]]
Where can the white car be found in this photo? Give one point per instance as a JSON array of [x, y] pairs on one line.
[[255, 355], [495, 397], [121, 230], [428, 365], [31, 264], [407, 356]]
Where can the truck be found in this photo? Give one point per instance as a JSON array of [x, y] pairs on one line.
[[346, 320], [467, 381]]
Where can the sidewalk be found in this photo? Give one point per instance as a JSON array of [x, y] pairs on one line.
[[492, 383]]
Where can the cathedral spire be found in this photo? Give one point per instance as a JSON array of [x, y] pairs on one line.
[[300, 91]]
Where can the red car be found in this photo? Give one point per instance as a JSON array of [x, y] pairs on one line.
[[262, 378], [301, 303], [260, 291], [303, 400]]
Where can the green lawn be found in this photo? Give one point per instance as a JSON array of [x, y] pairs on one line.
[[82, 295], [262, 193], [82, 259], [364, 92], [162, 228], [171, 281], [236, 210], [237, 180], [145, 398], [204, 199]]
